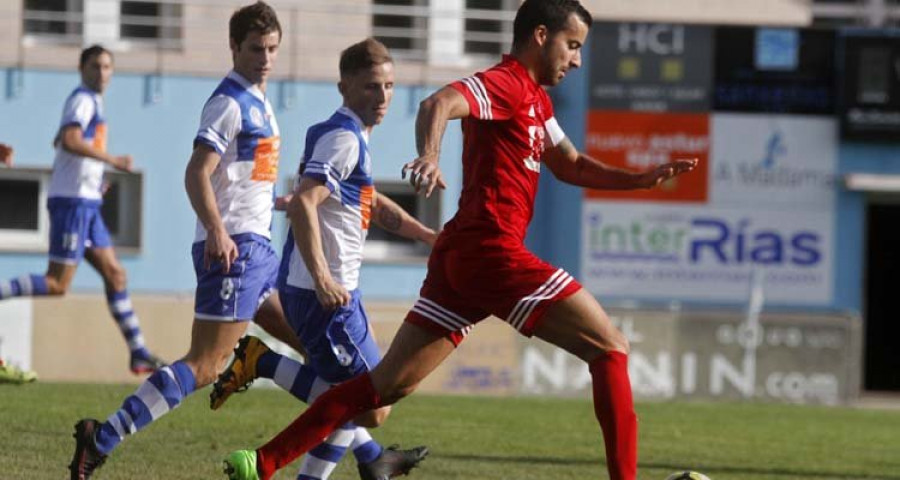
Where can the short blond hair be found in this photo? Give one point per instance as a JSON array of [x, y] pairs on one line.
[[363, 56]]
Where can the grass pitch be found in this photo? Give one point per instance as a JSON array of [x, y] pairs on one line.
[[470, 438]]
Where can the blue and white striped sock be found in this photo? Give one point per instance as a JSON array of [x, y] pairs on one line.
[[364, 447], [322, 460], [160, 393], [303, 383], [122, 311], [24, 286]]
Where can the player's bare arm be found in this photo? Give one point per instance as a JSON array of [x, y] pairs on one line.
[[393, 218], [72, 140], [219, 245], [304, 217], [573, 167], [431, 122], [6, 154]]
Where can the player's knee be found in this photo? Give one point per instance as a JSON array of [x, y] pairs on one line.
[[373, 418], [619, 343]]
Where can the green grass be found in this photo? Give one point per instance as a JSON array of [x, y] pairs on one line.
[[470, 438]]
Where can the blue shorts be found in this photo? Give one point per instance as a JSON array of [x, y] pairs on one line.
[[236, 295], [339, 342], [75, 224]]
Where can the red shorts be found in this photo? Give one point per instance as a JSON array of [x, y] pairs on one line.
[[464, 287]]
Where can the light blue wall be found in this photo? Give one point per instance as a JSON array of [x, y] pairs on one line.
[[159, 136], [850, 236]]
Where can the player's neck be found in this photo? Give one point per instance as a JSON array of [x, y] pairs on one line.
[[261, 85], [528, 59]]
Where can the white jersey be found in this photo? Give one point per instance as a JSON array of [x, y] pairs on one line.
[[75, 176], [239, 123], [337, 154]]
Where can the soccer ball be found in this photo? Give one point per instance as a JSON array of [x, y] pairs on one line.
[[687, 476]]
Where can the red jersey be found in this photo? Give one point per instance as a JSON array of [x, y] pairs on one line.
[[511, 116]]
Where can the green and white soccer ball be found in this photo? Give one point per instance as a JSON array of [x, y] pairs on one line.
[[687, 476]]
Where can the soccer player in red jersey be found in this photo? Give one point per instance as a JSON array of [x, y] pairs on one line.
[[480, 266]]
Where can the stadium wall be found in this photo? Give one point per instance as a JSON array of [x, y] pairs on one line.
[[699, 354]]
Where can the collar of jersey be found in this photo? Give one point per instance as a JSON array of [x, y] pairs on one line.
[[350, 113], [253, 89], [516, 64], [88, 90]]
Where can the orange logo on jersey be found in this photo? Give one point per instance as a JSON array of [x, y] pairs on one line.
[[99, 137], [265, 160], [365, 204]]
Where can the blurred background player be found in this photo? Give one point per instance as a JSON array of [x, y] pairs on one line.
[[74, 198], [480, 266], [318, 281]]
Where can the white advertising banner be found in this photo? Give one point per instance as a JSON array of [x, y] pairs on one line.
[[773, 162], [771, 208], [702, 253]]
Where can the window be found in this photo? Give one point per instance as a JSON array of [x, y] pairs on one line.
[[151, 20], [402, 25], [487, 30], [54, 18], [385, 246], [25, 222], [117, 24], [122, 208]]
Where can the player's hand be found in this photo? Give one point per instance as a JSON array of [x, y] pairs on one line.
[[424, 174], [331, 294], [281, 203], [660, 174], [6, 154], [219, 248], [123, 162]]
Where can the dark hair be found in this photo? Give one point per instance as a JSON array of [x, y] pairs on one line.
[[363, 56], [259, 17], [551, 13], [90, 52]]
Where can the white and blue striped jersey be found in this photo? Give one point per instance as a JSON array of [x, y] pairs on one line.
[[239, 123], [75, 176], [337, 154]]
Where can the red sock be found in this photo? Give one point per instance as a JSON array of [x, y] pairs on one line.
[[332, 409], [614, 408]]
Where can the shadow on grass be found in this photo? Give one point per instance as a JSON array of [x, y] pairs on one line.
[[797, 473]]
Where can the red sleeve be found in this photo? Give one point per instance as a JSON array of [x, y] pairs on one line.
[[492, 95]]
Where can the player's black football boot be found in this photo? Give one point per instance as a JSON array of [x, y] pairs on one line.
[[145, 362], [392, 462], [86, 458]]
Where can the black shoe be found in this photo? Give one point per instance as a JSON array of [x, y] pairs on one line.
[[392, 462], [86, 458], [145, 362]]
